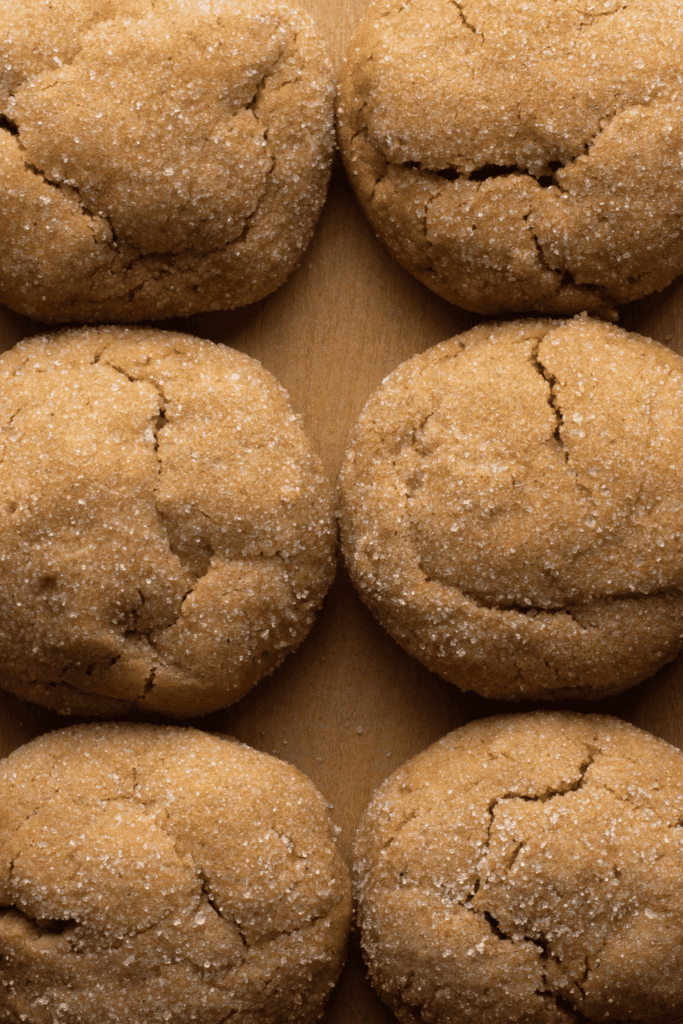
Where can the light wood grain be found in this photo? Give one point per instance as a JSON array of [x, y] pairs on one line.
[[350, 706]]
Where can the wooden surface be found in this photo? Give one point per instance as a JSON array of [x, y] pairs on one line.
[[350, 706]]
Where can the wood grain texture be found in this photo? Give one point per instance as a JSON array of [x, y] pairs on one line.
[[350, 706]]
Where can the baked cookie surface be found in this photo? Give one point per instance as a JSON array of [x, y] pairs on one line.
[[521, 157], [157, 157], [511, 513], [167, 533], [526, 868], [160, 875]]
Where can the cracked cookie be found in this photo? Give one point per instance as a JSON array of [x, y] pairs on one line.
[[166, 535], [162, 875], [511, 508], [527, 868], [520, 156], [157, 157]]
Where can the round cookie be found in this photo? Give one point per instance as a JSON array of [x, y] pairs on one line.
[[526, 869], [167, 534], [511, 508], [520, 156], [163, 875], [157, 157]]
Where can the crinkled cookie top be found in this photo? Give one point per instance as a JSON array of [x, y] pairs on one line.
[[521, 156], [526, 869], [511, 507], [160, 875], [167, 532], [152, 153]]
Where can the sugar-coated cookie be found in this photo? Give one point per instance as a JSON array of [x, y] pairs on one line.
[[158, 875], [511, 508], [520, 156], [157, 157], [526, 869], [166, 533]]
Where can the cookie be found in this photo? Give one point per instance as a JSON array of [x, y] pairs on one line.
[[526, 868], [520, 157], [157, 157], [163, 875], [167, 534], [511, 508]]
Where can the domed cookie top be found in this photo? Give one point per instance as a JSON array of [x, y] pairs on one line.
[[155, 874], [527, 868], [157, 158], [521, 156], [511, 508], [166, 533]]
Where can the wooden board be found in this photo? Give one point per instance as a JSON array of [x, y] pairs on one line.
[[350, 706]]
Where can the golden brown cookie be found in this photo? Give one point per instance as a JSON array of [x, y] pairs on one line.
[[526, 869], [166, 531], [157, 157], [155, 874], [511, 508], [520, 156]]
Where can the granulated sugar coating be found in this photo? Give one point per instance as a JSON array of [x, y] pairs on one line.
[[157, 157], [157, 875], [167, 533], [526, 869], [512, 510], [520, 155]]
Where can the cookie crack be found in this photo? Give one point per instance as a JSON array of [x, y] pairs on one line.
[[309, 922], [472, 29], [562, 1003], [546, 266], [70, 187], [7, 125], [551, 791], [160, 422], [41, 925], [215, 906], [589, 17], [552, 398], [484, 173], [554, 403], [540, 941], [570, 610], [258, 91]]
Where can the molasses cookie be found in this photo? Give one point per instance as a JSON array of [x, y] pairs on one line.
[[166, 533], [511, 508], [157, 157], [520, 156], [160, 875], [526, 870]]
